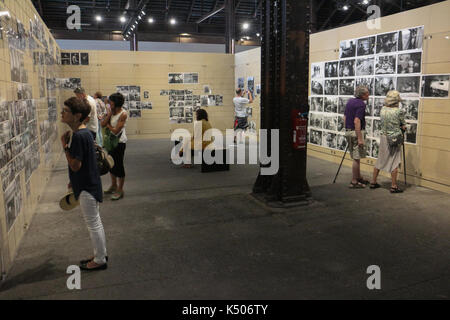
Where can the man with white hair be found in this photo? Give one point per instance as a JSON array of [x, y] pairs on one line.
[[355, 125], [92, 120]]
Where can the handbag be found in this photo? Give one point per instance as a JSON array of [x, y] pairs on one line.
[[104, 161], [395, 140], [110, 140]]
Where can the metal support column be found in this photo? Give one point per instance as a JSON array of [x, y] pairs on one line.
[[230, 27], [285, 77]]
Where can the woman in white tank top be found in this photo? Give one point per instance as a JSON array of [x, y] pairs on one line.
[[116, 122]]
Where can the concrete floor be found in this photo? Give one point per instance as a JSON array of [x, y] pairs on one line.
[[181, 234]]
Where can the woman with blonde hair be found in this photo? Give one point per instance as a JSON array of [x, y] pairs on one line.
[[390, 153]]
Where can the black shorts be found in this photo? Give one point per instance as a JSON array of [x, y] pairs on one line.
[[240, 123], [118, 155]]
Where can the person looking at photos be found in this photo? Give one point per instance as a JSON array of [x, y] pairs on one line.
[[101, 113], [84, 177], [91, 120], [240, 110], [116, 121], [392, 125], [355, 125]]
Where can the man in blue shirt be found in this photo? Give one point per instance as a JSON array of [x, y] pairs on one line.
[[355, 125]]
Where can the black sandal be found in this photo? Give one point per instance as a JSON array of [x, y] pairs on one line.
[[396, 190], [374, 186], [365, 182], [357, 185]]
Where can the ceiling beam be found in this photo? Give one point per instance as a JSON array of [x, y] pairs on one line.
[[214, 8], [190, 11], [209, 15]]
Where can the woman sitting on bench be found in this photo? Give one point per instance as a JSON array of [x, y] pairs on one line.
[[201, 115]]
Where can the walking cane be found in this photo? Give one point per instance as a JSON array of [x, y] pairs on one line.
[[404, 158], [346, 149]]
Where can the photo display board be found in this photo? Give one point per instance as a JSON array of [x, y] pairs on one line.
[[382, 62], [133, 103]]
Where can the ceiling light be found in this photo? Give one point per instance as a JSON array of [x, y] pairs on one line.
[[173, 21], [143, 12], [140, 18], [150, 20], [257, 34], [345, 8], [245, 26], [123, 19], [365, 2], [98, 18]]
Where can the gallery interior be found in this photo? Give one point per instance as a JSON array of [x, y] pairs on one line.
[[233, 233]]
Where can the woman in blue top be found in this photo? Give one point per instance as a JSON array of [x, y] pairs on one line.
[[84, 176]]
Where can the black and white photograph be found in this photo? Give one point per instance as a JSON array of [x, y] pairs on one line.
[[65, 58], [332, 87], [10, 206], [365, 66], [219, 100], [435, 86], [411, 108], [387, 42], [347, 49], [330, 122], [75, 58], [204, 101], [375, 148], [317, 87], [316, 104], [211, 100], [316, 120], [190, 78], [342, 104], [249, 111], [331, 69], [409, 62], [176, 112], [383, 85], [135, 113], [134, 93], [367, 82], [317, 70], [124, 91], [251, 85], [207, 89], [315, 136], [258, 89], [386, 64], [84, 56], [331, 104], [15, 57], [241, 83], [410, 39], [347, 87], [369, 107], [329, 140], [369, 122], [175, 78], [411, 133], [340, 124], [365, 46], [378, 104], [376, 128], [347, 68], [409, 86], [68, 84], [146, 95], [341, 142]]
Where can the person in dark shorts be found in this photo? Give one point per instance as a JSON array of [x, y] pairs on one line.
[[116, 121], [84, 177], [240, 110]]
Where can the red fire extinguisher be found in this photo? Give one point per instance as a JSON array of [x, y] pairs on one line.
[[300, 126]]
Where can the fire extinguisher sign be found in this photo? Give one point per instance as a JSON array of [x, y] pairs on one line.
[[300, 126]]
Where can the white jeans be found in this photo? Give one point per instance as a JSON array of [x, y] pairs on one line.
[[90, 208]]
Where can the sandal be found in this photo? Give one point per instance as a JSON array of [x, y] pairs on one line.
[[111, 190], [98, 267], [396, 190], [117, 196], [374, 186], [357, 185], [365, 182]]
